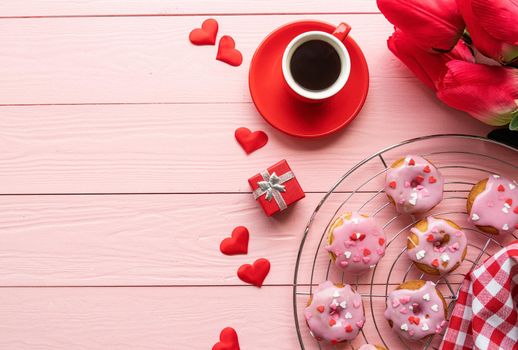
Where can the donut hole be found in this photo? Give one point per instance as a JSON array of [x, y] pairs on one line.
[[416, 309], [441, 240], [416, 181]]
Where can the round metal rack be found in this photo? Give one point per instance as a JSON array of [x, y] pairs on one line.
[[462, 160]]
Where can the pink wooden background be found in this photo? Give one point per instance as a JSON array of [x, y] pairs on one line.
[[119, 174]]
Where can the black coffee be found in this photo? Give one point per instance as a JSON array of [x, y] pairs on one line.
[[315, 65]]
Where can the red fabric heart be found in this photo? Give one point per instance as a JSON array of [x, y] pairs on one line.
[[228, 340], [206, 35], [237, 243], [250, 141], [228, 53], [254, 274]]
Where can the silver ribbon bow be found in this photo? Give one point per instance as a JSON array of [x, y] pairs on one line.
[[272, 186]]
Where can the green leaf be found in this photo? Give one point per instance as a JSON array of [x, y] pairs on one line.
[[513, 125]]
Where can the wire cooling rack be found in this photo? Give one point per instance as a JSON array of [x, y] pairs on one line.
[[463, 160]]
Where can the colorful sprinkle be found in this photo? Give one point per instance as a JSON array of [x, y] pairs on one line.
[[320, 309], [435, 308], [427, 169], [432, 180], [393, 184], [501, 188]]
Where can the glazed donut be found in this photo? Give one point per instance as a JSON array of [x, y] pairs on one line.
[[493, 205], [334, 313], [437, 246], [355, 242], [416, 309], [371, 347], [413, 185]]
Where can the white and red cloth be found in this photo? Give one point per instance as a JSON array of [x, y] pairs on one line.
[[485, 316]]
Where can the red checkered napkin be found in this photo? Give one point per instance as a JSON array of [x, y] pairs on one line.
[[485, 316]]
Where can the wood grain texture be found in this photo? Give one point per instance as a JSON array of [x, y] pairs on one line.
[[150, 59], [13, 8], [173, 240], [191, 148]]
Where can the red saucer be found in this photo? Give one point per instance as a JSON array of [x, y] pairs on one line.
[[284, 111]]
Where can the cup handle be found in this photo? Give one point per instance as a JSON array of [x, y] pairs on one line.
[[342, 31]]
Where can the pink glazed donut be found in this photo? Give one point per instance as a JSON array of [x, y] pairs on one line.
[[437, 246], [493, 205], [355, 242], [413, 185], [416, 310], [334, 313]]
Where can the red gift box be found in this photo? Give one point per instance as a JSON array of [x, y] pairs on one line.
[[276, 188]]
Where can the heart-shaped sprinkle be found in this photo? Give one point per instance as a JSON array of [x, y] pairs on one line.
[[475, 217], [505, 227], [228, 53], [419, 179], [343, 304], [320, 308], [348, 328], [420, 254], [336, 294], [356, 258], [347, 254], [237, 243], [414, 319], [348, 244], [348, 316], [227, 340], [395, 303], [411, 162], [392, 184], [454, 247], [509, 202], [501, 188], [426, 169], [426, 297], [366, 252], [256, 273], [432, 180], [360, 323], [435, 263], [430, 238], [380, 251], [404, 327], [404, 299], [366, 259], [515, 210], [381, 241], [403, 310], [344, 263], [425, 327], [435, 307], [357, 303], [250, 141], [411, 332], [332, 322], [512, 186], [206, 35], [407, 184]]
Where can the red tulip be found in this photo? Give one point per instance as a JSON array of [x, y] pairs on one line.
[[433, 24], [493, 27], [488, 93], [426, 66]]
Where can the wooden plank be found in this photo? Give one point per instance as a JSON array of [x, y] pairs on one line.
[[174, 239], [13, 8], [160, 318], [191, 148], [150, 60]]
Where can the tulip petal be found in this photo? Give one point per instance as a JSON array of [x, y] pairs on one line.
[[426, 66], [499, 18], [489, 93], [434, 24], [482, 40]]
